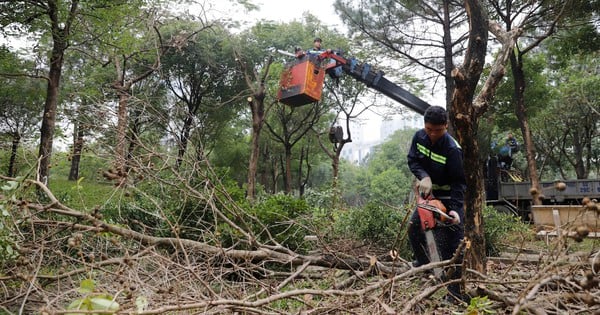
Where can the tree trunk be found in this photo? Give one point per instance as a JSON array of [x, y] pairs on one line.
[[50, 106], [266, 175], [448, 62], [465, 119], [77, 148], [133, 140], [257, 107], [13, 154], [581, 171], [302, 179], [60, 34], [516, 63], [183, 139], [120, 151], [288, 170]]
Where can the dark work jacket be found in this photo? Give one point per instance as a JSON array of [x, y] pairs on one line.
[[443, 162]]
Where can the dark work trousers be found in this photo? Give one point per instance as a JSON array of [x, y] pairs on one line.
[[447, 238]]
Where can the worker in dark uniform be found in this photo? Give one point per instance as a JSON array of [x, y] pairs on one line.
[[334, 72], [436, 159], [505, 154], [316, 49]]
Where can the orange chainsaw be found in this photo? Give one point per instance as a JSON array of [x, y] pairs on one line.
[[432, 213]]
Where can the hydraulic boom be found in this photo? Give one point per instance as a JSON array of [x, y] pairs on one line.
[[302, 82]]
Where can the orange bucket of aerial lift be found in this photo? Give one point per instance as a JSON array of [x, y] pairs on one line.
[[301, 82]]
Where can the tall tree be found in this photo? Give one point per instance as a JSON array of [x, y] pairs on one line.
[[539, 21], [54, 19], [21, 100], [290, 125], [84, 99], [202, 77], [424, 36], [468, 108], [256, 102], [256, 62], [347, 98], [571, 145]]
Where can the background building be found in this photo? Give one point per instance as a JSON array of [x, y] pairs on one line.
[[365, 137]]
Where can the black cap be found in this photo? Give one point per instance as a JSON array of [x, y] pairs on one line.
[[436, 115], [317, 39]]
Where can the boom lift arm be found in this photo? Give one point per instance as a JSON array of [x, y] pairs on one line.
[[302, 82], [363, 72]]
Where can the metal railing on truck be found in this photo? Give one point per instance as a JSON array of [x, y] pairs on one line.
[[576, 189]]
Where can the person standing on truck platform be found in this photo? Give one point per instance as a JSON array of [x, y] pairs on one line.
[[436, 160], [505, 154]]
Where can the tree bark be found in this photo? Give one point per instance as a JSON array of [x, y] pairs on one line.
[[60, 34], [288, 170], [516, 62], [257, 108], [465, 119], [303, 179], [77, 148], [258, 117], [448, 62], [13, 154], [183, 139], [120, 149]]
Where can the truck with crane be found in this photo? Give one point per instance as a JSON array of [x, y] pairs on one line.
[[302, 83]]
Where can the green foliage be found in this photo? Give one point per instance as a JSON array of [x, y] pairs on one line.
[[319, 198], [92, 302], [144, 209], [390, 187], [571, 146], [498, 227], [354, 183], [375, 224], [537, 95], [478, 305], [7, 238], [21, 99], [282, 218], [25, 161], [386, 179], [90, 166], [164, 210], [83, 194], [573, 41]]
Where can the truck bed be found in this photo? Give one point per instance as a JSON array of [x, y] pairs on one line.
[[576, 189]]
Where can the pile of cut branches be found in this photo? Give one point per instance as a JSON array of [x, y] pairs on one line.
[[70, 261]]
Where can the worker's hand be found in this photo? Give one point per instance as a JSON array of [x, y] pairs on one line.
[[424, 186], [455, 217]]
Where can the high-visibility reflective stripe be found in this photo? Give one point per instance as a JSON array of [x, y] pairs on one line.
[[438, 187], [434, 156], [438, 158], [423, 149], [456, 142]]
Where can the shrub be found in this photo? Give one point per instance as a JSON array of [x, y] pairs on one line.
[[498, 227], [376, 224], [284, 218], [8, 210]]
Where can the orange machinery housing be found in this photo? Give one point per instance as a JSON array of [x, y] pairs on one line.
[[301, 82]]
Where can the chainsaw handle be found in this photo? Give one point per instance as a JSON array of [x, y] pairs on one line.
[[434, 210]]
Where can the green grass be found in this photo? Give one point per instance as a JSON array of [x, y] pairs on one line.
[[82, 194]]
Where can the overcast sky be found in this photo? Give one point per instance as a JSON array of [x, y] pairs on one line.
[[281, 11]]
